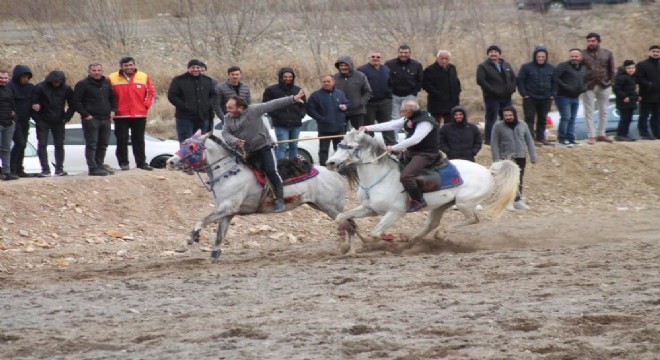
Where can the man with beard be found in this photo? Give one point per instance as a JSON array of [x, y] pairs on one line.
[[601, 70], [356, 87], [49, 102], [287, 120], [571, 78], [443, 87], [22, 91], [459, 139], [94, 100], [648, 78]]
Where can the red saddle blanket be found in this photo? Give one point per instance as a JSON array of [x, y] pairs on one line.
[[261, 177]]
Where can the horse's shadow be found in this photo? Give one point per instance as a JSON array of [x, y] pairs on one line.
[[405, 245]]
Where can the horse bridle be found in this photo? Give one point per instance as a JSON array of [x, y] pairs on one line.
[[200, 151]]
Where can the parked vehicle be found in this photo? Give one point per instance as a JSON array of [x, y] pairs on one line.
[[157, 151], [610, 127], [553, 5]]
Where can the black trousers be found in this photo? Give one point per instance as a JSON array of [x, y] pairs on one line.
[[355, 120], [324, 145], [97, 136], [521, 162], [137, 127], [58, 131], [17, 153], [268, 162], [380, 112], [625, 118], [535, 108], [648, 126]]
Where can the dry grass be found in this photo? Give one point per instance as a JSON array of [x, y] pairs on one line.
[[309, 35]]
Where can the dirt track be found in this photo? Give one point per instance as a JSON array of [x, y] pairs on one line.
[[94, 275]]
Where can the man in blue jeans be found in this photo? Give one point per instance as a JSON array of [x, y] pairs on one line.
[[287, 120], [571, 79], [7, 125]]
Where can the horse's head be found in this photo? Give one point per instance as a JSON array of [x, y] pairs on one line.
[[357, 147], [191, 153]]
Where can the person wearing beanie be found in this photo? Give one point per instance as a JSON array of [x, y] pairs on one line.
[[356, 87], [192, 95], [571, 78], [601, 69], [625, 89], [459, 139], [511, 139], [648, 78], [538, 87], [498, 82]]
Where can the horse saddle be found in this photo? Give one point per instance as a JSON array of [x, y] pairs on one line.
[[292, 171], [439, 178]]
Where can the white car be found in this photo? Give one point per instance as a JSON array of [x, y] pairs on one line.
[[157, 151]]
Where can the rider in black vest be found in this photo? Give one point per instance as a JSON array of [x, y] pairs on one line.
[[422, 146]]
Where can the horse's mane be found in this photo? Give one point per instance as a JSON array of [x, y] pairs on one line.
[[230, 149], [375, 147]]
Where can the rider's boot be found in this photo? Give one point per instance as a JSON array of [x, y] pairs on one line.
[[417, 201], [279, 199]]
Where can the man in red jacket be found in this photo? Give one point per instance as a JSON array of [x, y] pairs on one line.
[[134, 94]]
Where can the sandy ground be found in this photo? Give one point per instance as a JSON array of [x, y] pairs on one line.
[[88, 271]]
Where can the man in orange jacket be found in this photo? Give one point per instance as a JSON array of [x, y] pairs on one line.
[[134, 94]]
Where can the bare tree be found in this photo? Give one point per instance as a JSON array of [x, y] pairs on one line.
[[110, 22]]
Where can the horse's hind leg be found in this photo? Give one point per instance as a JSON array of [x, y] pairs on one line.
[[432, 221], [470, 214], [223, 226]]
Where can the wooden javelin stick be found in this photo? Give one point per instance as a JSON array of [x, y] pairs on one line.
[[307, 139]]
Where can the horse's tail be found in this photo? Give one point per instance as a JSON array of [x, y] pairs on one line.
[[506, 174]]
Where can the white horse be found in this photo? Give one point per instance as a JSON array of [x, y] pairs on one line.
[[236, 190], [380, 191]]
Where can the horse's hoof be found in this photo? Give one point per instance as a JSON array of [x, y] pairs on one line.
[[387, 237], [215, 255]]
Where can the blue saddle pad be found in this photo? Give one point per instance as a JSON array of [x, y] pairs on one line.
[[449, 177]]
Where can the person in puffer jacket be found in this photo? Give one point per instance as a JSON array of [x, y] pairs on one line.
[[538, 87], [52, 107], [22, 90], [625, 88], [459, 139]]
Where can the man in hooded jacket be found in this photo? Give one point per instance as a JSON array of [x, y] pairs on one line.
[[355, 86], [22, 90], [287, 120], [459, 139], [538, 87], [51, 103]]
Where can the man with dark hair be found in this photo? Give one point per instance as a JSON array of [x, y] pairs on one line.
[[511, 139], [538, 87], [498, 82], [571, 78], [134, 94], [7, 125], [356, 87], [648, 78], [94, 99], [379, 107], [406, 76], [459, 139], [421, 147], [287, 121], [244, 128], [50, 101], [443, 87], [601, 70], [22, 91], [232, 87], [192, 95]]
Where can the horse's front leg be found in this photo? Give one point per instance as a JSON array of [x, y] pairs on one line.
[[223, 226], [390, 218], [358, 212], [224, 209]]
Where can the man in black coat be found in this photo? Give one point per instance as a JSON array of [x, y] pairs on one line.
[[443, 87], [406, 77], [648, 78], [193, 95], [22, 90], [459, 139], [287, 120], [49, 102], [94, 100], [7, 125]]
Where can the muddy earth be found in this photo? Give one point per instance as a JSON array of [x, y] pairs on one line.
[[88, 270]]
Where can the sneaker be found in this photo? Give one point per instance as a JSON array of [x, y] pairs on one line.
[[44, 173], [23, 174], [647, 137], [279, 205], [61, 173], [520, 205], [11, 177], [98, 172], [124, 167], [108, 169], [566, 143], [414, 205], [146, 166], [574, 143], [604, 138], [591, 141], [622, 138]]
